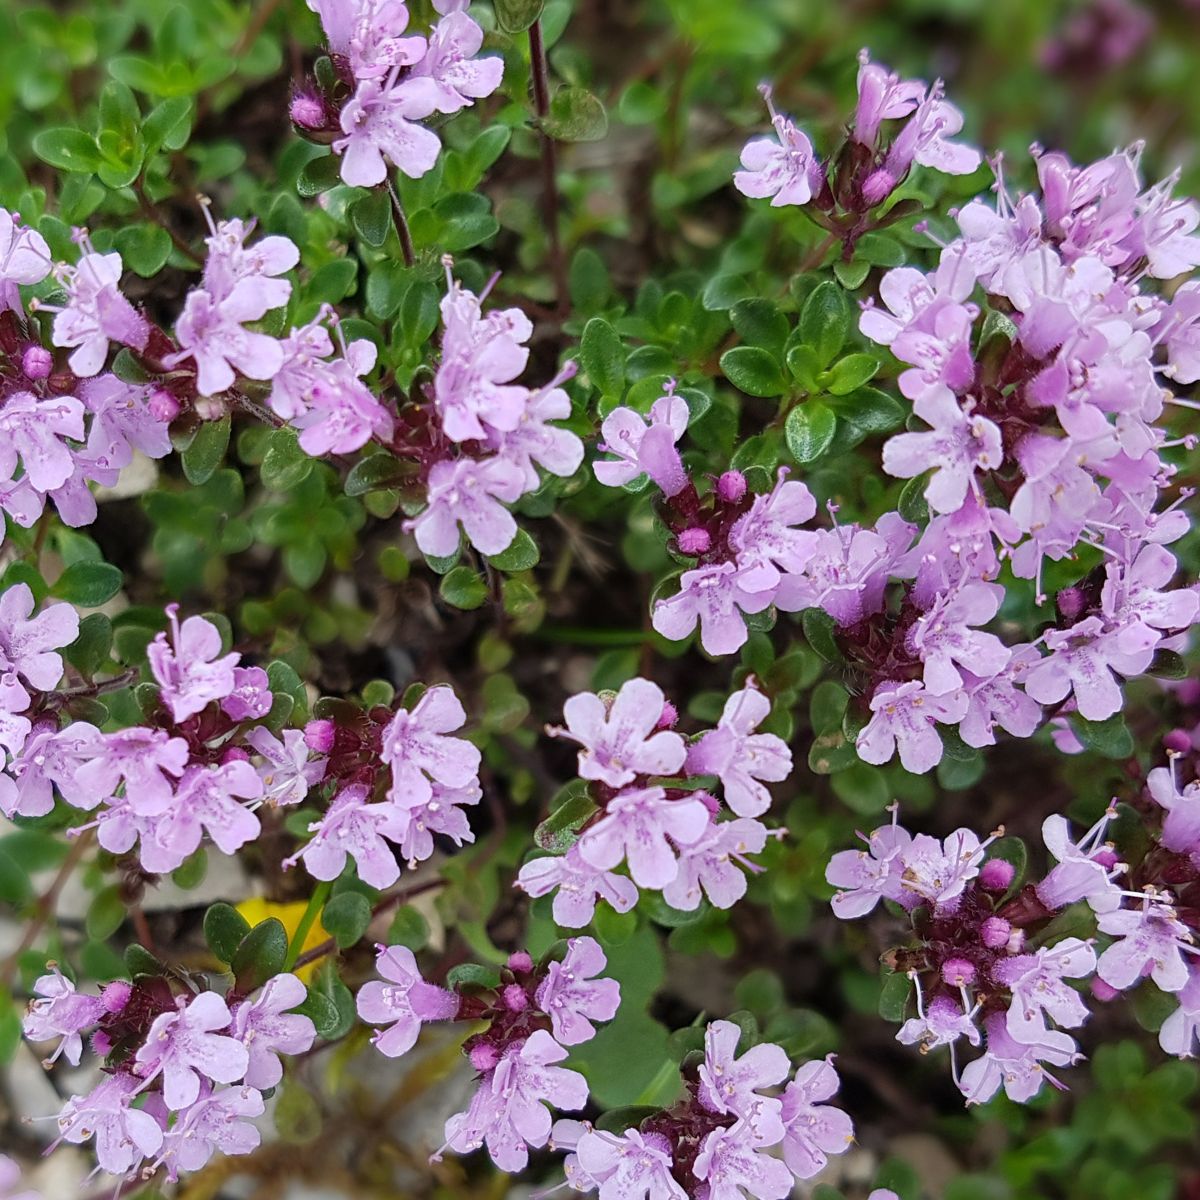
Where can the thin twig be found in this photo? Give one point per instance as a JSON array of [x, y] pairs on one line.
[[401, 223], [541, 104]]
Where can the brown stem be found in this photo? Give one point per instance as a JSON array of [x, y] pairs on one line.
[[153, 213], [45, 907], [401, 223], [541, 105]]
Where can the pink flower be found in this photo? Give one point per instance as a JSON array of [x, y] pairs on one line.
[[1151, 940], [469, 491], [191, 671], [714, 597], [509, 1112], [785, 169], [267, 1028], [343, 414], [381, 121], [937, 872], [124, 1135], [923, 139], [765, 542], [441, 814], [216, 1121], [33, 429], [251, 696], [1015, 1065], [1085, 868], [28, 645], [1036, 982], [10, 1172], [641, 827], [944, 639], [125, 419], [709, 864], [418, 748], [870, 875], [60, 1011], [634, 1166], [247, 275], [731, 1084], [96, 313], [904, 716], [813, 1130], [287, 775], [403, 1003], [369, 33], [732, 1165], [740, 758], [24, 259], [211, 332], [577, 886], [455, 76], [183, 1046], [618, 738], [1180, 1032], [533, 440], [882, 96], [573, 998], [644, 445], [353, 827]]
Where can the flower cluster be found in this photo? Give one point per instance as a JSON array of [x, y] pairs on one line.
[[532, 1012], [185, 1069], [385, 81], [715, 1141], [986, 963], [673, 839]]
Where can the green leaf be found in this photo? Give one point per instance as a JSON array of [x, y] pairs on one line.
[[893, 996], [522, 555], [825, 321], [206, 451], [408, 928], [90, 650], [576, 115], [338, 995], [473, 975], [105, 914], [380, 470], [168, 125], [139, 961], [851, 274], [588, 282], [809, 430], [319, 175], [821, 631], [912, 504], [754, 371], [285, 465], [851, 372], [1111, 738], [463, 587], [144, 248], [296, 1114], [346, 917], [88, 584], [224, 930], [603, 357], [261, 955], [190, 873], [515, 16], [372, 217], [560, 830], [68, 149], [322, 1011], [760, 323], [868, 409]]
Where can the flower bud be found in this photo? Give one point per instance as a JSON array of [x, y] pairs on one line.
[[1178, 740], [668, 716], [994, 932], [1104, 992], [1070, 602], [484, 1056], [709, 801], [958, 972], [37, 362], [115, 995], [307, 110], [878, 187], [996, 875], [695, 541], [319, 735], [235, 754], [515, 998], [520, 961], [163, 406], [731, 487]]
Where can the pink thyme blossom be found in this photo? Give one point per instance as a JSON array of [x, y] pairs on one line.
[[1084, 870], [712, 596], [60, 1012], [740, 758], [343, 414], [632, 1166], [577, 886], [643, 827], [96, 313], [941, 1024], [1181, 826], [32, 430], [1180, 330], [509, 1112], [124, 1135], [644, 445], [766, 543], [183, 1046], [732, 1165], [247, 275], [380, 121], [211, 332], [48, 758], [784, 167], [904, 719], [924, 139], [216, 1121], [618, 738], [454, 74], [1036, 982], [1017, 1066], [534, 440], [24, 259], [369, 34], [913, 299], [251, 696], [1180, 1032], [352, 827], [28, 645], [944, 639], [190, 669], [999, 701], [813, 1130], [124, 419], [288, 775], [882, 96], [441, 814], [469, 491], [1135, 593], [709, 864], [731, 1084], [403, 1003], [267, 1028], [572, 996], [869, 875], [418, 747], [1151, 940]]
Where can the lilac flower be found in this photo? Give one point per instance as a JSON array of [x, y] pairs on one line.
[[1181, 827], [353, 827], [380, 121], [267, 1028], [714, 597], [1134, 593], [938, 872], [32, 429], [403, 1003], [288, 775], [1180, 1032], [455, 76], [813, 1130], [304, 351], [572, 996], [418, 748], [1017, 1066], [904, 717], [182, 1046], [577, 886], [785, 169], [644, 445], [618, 738], [481, 356], [344, 414], [1038, 991], [1085, 868], [10, 1172], [441, 814], [941, 1024], [731, 1163], [211, 332], [125, 418], [869, 875], [469, 491], [708, 863], [247, 275], [60, 1011], [882, 96], [1151, 940], [944, 639], [729, 1084], [47, 757], [24, 259], [634, 1166], [765, 543], [508, 1111], [913, 299], [124, 1135], [640, 826], [251, 696], [923, 139], [1180, 330], [96, 313], [533, 440], [369, 34], [190, 669], [216, 1121], [999, 701], [27, 645]]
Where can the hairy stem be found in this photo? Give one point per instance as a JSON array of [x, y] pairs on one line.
[[541, 105], [401, 223]]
